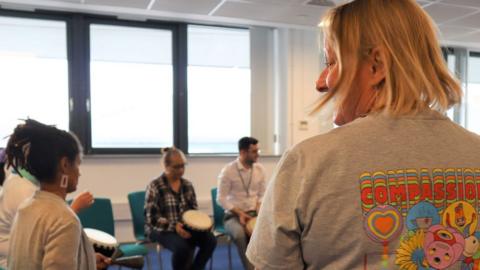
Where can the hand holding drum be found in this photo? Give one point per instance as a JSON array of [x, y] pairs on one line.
[[107, 245]]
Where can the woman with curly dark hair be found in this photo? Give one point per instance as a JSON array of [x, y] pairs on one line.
[[46, 233]]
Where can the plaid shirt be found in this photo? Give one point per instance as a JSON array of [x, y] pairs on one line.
[[164, 207]]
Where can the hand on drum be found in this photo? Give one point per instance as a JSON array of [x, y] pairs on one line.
[[102, 261], [181, 231], [244, 218], [82, 201]]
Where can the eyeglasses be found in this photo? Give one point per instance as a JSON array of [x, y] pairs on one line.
[[179, 166]]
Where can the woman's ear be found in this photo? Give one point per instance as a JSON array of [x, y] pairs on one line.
[[64, 165], [377, 66]]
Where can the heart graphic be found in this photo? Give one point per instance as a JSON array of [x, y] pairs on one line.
[[383, 223]]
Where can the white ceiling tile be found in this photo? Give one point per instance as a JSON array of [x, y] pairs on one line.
[[143, 4], [442, 13], [423, 2], [472, 21], [450, 32], [69, 1], [470, 3], [186, 6], [274, 2], [301, 15], [255, 11], [471, 38]]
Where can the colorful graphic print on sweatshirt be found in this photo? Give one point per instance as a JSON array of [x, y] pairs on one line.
[[433, 212]]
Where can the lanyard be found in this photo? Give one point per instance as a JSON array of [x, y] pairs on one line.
[[246, 187]]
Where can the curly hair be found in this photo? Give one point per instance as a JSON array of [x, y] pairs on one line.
[[38, 148]]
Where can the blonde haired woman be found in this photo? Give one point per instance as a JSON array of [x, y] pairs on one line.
[[394, 186]]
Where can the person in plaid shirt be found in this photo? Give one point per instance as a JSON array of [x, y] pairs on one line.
[[166, 198]]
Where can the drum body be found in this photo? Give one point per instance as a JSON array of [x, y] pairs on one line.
[[250, 226], [196, 221], [102, 242]]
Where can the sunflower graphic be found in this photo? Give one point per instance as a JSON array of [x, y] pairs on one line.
[[410, 255]]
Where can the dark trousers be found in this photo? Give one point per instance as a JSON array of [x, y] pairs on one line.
[[184, 249]]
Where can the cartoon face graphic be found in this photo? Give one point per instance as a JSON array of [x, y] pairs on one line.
[[443, 246], [471, 246], [424, 222], [422, 216], [461, 216]]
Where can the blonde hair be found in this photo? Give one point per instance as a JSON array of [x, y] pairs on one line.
[[416, 74]]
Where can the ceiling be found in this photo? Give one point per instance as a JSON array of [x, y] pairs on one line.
[[458, 20]]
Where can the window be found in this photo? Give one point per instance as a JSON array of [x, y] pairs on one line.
[[131, 87], [473, 93], [466, 66], [126, 87], [219, 88], [34, 71]]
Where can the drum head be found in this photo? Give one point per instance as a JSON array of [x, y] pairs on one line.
[[102, 242], [197, 220], [101, 238]]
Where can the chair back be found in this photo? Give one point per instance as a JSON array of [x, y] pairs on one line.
[[98, 216], [136, 200], [218, 211]]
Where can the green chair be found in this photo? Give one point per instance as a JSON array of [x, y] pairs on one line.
[[218, 227], [100, 216], [136, 200]]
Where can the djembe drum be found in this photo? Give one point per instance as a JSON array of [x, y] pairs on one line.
[[196, 222], [107, 245], [102, 242]]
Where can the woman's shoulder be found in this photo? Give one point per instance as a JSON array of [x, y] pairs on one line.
[[51, 213]]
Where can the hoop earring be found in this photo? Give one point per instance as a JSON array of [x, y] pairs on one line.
[[64, 181]]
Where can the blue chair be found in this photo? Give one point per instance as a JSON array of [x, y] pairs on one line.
[[136, 200], [100, 216], [218, 227]]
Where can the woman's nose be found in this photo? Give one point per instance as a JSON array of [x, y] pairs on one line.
[[321, 84]]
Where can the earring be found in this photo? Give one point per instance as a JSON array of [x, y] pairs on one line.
[[64, 181]]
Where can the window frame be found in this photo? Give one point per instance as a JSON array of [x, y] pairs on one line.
[[179, 88]]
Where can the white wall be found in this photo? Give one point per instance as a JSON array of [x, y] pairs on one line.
[[305, 63]]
